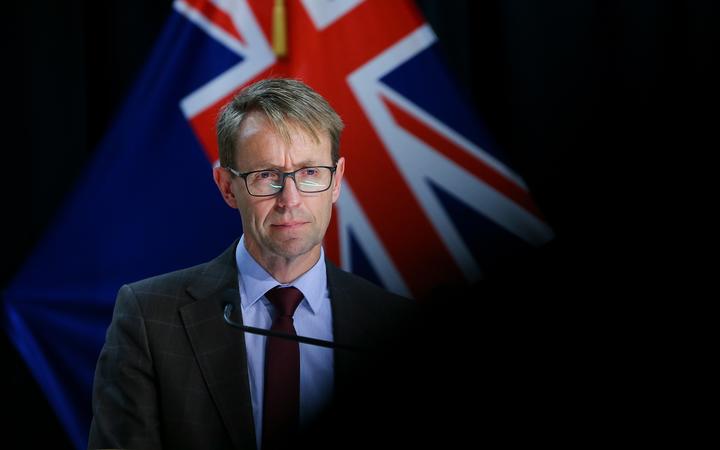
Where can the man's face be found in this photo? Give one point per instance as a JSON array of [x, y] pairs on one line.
[[289, 224]]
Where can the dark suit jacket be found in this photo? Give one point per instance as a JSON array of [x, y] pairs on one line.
[[172, 374]]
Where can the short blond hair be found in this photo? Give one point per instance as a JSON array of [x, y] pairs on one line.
[[284, 102]]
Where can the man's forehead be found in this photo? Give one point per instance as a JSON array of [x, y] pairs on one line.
[[288, 129], [257, 128], [253, 122]]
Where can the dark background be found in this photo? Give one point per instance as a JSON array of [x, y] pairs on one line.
[[587, 99]]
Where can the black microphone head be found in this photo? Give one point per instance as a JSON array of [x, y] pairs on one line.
[[227, 310]]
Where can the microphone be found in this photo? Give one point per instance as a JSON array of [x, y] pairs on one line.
[[278, 334]]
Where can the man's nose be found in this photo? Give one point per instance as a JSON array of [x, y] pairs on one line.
[[289, 196]]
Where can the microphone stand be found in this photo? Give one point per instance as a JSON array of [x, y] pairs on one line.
[[277, 334]]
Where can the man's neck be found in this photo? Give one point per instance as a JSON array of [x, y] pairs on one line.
[[286, 270]]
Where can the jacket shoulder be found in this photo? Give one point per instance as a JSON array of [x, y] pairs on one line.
[[174, 285], [171, 284], [360, 298], [357, 286]]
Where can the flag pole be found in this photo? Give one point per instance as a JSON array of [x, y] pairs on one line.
[[279, 29]]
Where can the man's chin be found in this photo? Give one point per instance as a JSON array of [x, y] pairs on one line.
[[293, 247]]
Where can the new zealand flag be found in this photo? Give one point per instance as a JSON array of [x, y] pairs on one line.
[[427, 199]]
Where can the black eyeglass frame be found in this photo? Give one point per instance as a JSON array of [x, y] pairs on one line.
[[284, 175]]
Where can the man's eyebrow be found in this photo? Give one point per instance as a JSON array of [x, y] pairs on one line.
[[310, 163], [263, 165]]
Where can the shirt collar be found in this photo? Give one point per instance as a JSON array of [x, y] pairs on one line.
[[255, 281]]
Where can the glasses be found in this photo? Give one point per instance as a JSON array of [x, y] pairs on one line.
[[264, 183]]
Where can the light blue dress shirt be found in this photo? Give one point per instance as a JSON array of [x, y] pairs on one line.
[[313, 318]]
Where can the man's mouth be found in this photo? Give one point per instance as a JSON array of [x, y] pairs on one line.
[[288, 224]]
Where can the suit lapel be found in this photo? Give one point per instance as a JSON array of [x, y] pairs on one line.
[[349, 321], [348, 316], [220, 349]]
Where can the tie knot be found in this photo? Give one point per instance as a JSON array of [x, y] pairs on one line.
[[285, 299]]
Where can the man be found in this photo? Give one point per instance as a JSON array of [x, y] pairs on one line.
[[174, 374]]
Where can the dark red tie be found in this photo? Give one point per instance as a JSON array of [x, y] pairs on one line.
[[281, 404]]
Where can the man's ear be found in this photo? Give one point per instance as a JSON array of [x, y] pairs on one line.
[[339, 172], [223, 180]]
